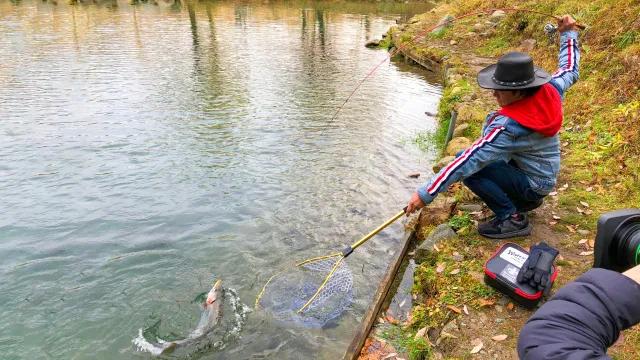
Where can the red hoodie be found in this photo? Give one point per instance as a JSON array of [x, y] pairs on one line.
[[541, 112]]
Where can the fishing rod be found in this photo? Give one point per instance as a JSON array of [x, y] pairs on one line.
[[429, 29]]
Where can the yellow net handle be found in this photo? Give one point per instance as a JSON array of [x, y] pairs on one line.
[[377, 230], [346, 252]]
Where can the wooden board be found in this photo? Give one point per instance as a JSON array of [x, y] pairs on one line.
[[353, 351]]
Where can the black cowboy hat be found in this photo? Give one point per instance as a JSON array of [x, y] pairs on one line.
[[513, 71]]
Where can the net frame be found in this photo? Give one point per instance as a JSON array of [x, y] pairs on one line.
[[335, 269]]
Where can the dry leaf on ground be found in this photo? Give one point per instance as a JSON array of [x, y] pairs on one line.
[[445, 335], [501, 337], [440, 268], [582, 241], [455, 271], [421, 333], [486, 302], [584, 203], [477, 346], [586, 253], [510, 306], [466, 311], [392, 320], [454, 309]]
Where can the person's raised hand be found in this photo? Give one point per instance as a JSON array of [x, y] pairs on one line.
[[566, 23], [415, 203]]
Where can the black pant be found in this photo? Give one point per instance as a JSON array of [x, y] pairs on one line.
[[504, 188]]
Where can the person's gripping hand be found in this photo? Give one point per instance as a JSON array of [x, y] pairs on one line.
[[566, 23], [415, 203]]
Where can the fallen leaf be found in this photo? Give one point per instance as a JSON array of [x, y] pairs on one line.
[[478, 346], [556, 217], [454, 309], [421, 333], [579, 210], [592, 243], [586, 253], [501, 337], [381, 320], [552, 222], [553, 193], [392, 320], [435, 247], [485, 302], [589, 189], [570, 228], [444, 334], [510, 306], [564, 187], [454, 271], [582, 241], [584, 204], [588, 212], [440, 268], [466, 311]]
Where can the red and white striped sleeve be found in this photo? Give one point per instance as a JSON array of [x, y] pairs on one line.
[[568, 62], [492, 146]]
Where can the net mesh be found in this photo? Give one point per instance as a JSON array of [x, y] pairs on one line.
[[289, 291]]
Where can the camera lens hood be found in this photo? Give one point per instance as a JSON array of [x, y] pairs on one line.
[[617, 244]]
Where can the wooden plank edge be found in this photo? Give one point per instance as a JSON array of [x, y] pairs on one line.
[[354, 349]]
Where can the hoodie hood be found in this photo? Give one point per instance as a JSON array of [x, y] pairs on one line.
[[541, 112]]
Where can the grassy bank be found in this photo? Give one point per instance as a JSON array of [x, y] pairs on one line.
[[454, 312]]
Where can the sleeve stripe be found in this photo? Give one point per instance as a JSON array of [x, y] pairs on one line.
[[571, 63], [460, 160]]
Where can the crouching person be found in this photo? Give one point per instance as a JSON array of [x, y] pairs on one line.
[[515, 163]]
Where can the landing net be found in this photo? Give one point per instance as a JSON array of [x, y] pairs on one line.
[[287, 295]]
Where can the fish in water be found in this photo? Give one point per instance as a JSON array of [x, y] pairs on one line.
[[212, 311]]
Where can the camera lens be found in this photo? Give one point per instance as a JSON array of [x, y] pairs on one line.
[[627, 236]]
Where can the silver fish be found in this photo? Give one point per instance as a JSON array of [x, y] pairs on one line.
[[212, 308]]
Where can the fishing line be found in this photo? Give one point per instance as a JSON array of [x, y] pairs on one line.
[[423, 33]]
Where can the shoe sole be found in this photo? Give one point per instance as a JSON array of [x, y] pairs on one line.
[[524, 232]]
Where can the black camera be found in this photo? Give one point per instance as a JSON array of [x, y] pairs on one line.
[[617, 244]]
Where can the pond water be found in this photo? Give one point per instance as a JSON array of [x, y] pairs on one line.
[[147, 150]]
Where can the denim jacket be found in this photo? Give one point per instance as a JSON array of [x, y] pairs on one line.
[[503, 139]]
